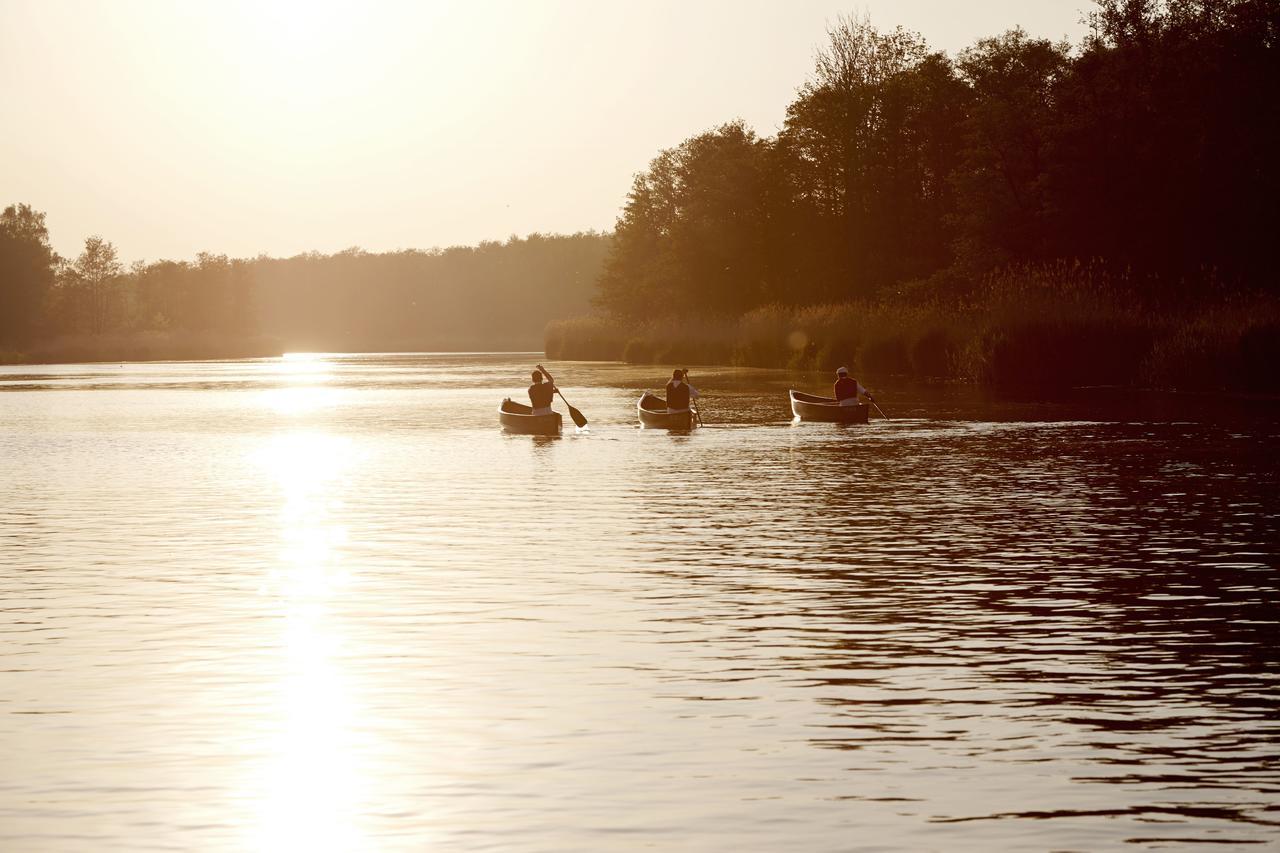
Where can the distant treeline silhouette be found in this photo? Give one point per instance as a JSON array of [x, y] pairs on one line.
[[907, 182], [496, 295]]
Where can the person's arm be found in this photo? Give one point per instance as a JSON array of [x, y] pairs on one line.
[[693, 392], [548, 375]]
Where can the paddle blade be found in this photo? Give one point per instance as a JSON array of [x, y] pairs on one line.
[[578, 417]]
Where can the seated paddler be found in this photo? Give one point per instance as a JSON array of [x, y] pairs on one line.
[[680, 392], [847, 388], [542, 392]]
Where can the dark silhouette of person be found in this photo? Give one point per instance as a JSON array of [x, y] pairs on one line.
[[680, 392], [541, 394], [847, 388]]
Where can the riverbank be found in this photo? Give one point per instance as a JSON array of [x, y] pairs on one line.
[[1019, 334], [142, 346], [177, 346]]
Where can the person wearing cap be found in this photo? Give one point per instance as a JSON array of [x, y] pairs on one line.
[[542, 394], [847, 389], [680, 392]]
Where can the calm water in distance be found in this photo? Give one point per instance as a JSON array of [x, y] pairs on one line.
[[325, 604]]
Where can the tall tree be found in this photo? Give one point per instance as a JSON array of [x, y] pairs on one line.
[[839, 131], [26, 272], [97, 273], [691, 236], [1165, 137], [1004, 212]]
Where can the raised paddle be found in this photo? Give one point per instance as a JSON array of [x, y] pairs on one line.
[[578, 418]]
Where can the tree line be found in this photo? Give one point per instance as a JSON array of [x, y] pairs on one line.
[[495, 295], [903, 173]]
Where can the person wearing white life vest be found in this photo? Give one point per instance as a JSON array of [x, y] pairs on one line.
[[847, 389]]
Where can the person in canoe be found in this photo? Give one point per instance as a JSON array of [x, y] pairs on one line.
[[847, 389], [680, 392], [542, 393]]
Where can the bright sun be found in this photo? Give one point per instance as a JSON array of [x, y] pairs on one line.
[[302, 52]]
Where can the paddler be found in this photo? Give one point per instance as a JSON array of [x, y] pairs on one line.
[[542, 393], [847, 389], [680, 392]]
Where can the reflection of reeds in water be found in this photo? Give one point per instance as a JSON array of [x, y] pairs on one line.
[[1043, 327]]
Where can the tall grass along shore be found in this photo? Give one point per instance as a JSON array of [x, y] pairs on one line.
[[1032, 328]]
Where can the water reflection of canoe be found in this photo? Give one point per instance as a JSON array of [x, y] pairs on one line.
[[521, 419], [807, 407], [654, 415]]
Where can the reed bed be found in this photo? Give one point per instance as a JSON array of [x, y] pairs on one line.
[[1027, 329]]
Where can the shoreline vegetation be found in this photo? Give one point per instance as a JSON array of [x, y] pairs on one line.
[[149, 345], [1027, 329], [493, 296], [1026, 215]]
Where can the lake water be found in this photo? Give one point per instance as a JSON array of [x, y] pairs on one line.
[[324, 603]]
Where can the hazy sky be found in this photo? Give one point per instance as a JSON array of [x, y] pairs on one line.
[[175, 127]]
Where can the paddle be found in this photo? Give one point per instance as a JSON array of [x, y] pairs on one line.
[[578, 418], [878, 409], [697, 414]]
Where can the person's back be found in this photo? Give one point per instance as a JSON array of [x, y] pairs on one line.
[[847, 389], [677, 396], [679, 392], [541, 394]]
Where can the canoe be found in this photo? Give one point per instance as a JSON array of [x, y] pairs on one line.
[[653, 413], [521, 420], [807, 407]]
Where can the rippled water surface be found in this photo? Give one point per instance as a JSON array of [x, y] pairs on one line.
[[324, 603]]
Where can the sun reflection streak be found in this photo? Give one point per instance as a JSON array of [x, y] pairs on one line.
[[311, 787], [304, 390]]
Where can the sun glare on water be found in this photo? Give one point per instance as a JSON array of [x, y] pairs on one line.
[[302, 389], [310, 787]]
